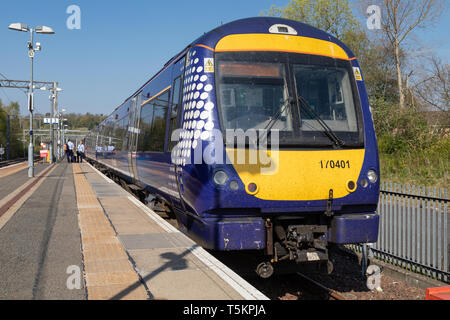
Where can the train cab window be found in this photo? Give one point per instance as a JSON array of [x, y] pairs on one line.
[[174, 111], [252, 93], [302, 97], [153, 124], [328, 92]]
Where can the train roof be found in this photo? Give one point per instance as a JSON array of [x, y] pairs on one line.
[[262, 25]]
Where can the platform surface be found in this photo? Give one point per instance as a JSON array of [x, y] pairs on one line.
[[40, 239], [77, 220]]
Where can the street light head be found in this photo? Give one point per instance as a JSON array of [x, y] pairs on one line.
[[44, 30], [18, 27]]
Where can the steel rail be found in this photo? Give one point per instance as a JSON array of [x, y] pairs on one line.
[[6, 163], [332, 294]]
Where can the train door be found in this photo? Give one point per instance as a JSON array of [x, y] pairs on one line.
[[173, 136], [96, 144], [174, 115], [133, 130]]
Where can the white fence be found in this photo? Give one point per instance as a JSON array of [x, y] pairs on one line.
[[414, 229]]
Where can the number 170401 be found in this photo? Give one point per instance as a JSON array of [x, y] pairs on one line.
[[338, 164]]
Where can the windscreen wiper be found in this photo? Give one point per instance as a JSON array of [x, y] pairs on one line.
[[327, 130], [273, 119]]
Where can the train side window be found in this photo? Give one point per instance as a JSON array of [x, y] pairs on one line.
[[119, 133], [174, 112], [153, 124]]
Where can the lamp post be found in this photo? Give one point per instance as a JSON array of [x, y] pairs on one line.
[[64, 132], [31, 50], [54, 111], [60, 127]]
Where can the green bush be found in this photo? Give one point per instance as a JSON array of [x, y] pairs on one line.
[[409, 151]]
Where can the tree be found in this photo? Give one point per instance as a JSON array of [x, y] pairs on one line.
[[12, 111], [86, 121], [399, 18], [332, 16], [434, 89]]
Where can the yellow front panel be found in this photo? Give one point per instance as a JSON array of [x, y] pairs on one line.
[[299, 175], [278, 42]]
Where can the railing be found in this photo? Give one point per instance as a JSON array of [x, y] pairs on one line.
[[414, 229]]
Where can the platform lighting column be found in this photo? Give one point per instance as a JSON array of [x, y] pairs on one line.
[[60, 133], [54, 98], [31, 50], [58, 139], [30, 108]]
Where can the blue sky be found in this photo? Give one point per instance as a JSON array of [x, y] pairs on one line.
[[120, 45]]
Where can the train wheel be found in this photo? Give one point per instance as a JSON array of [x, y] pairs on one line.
[[265, 270]]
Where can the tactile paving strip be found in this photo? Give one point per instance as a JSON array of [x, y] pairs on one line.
[[108, 271]]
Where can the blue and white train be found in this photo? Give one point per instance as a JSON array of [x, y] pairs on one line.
[[318, 183]]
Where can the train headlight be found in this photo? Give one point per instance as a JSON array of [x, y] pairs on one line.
[[234, 185], [372, 176], [220, 177], [364, 182]]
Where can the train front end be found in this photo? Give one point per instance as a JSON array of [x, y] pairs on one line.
[[278, 150]]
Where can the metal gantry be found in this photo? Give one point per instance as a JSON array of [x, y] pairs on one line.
[[65, 134], [39, 85], [25, 84]]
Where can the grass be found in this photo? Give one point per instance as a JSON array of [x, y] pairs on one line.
[[426, 167]]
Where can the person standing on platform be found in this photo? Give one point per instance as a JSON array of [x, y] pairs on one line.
[[66, 150], [80, 151], [71, 146]]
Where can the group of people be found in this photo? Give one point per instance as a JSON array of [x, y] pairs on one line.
[[69, 148]]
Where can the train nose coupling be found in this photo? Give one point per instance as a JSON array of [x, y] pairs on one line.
[[305, 243]]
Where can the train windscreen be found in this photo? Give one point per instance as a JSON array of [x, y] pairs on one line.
[[310, 103]]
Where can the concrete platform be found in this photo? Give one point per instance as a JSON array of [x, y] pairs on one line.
[[169, 264], [39, 236], [72, 233]]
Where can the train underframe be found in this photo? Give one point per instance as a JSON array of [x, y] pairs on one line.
[[290, 239]]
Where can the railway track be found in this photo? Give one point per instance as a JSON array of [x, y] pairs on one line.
[[315, 286], [6, 163]]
